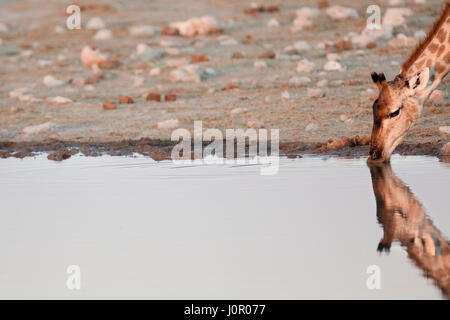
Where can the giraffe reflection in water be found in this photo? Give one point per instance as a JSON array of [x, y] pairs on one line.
[[403, 219]]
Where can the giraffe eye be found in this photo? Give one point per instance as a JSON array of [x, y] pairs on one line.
[[395, 113]]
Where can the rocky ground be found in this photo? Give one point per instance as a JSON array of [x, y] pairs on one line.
[[302, 67]]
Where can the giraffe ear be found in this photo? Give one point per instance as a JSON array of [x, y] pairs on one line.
[[419, 81]]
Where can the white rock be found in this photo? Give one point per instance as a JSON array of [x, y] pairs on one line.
[[142, 48], [307, 12], [3, 27], [103, 34], [285, 95], [36, 129], [155, 72], [338, 12], [402, 41], [51, 81], [168, 124], [333, 66], [196, 26], [420, 34], [187, 73], [445, 129], [92, 58], [138, 81], [314, 93], [26, 53], [236, 111], [321, 83], [342, 117], [311, 127], [95, 23], [302, 46], [297, 81], [361, 40], [44, 63], [396, 16], [333, 57], [260, 64], [144, 30], [21, 95], [60, 100], [273, 23], [305, 66], [210, 72], [300, 23]]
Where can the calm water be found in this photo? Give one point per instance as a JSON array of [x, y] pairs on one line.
[[140, 229]]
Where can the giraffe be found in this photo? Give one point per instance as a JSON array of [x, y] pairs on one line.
[[400, 101], [404, 220]]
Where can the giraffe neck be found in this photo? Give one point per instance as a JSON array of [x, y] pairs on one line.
[[434, 50]]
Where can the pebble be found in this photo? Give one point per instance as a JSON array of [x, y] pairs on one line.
[[285, 95], [260, 64], [92, 58], [196, 58], [321, 83], [342, 117], [188, 73], [311, 127], [155, 72], [125, 100], [315, 93], [196, 26], [301, 46], [152, 96], [236, 111], [103, 34], [109, 105], [332, 66], [297, 81], [51, 81], [238, 55], [273, 23], [420, 35], [255, 124], [95, 23], [338, 12], [333, 57], [39, 128], [305, 66], [402, 41], [396, 16], [170, 97], [60, 100], [168, 124]]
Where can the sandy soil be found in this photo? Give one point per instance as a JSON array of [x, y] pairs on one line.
[[232, 94]]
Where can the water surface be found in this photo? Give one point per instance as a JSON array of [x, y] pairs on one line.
[[141, 229]]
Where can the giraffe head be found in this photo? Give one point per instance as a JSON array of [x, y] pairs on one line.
[[396, 109]]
